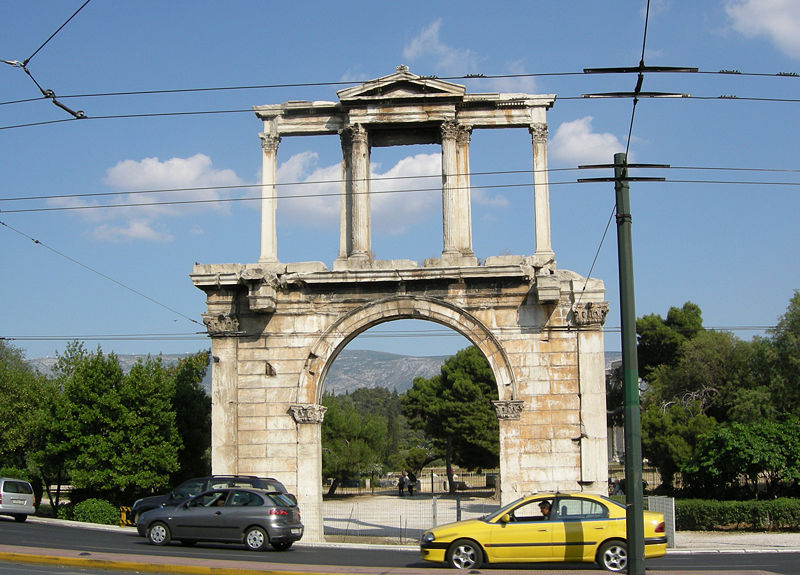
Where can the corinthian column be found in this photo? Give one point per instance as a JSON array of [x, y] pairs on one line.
[[464, 206], [359, 196], [269, 200], [541, 190], [449, 190]]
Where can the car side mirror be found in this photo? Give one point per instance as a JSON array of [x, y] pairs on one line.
[[505, 518]]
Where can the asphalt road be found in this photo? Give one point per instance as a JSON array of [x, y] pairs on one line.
[[54, 536]]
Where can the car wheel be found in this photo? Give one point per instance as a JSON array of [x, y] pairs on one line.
[[256, 539], [20, 518], [613, 556], [158, 534], [282, 546], [464, 554]]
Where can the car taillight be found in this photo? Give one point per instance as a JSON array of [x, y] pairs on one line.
[[660, 528], [278, 512]]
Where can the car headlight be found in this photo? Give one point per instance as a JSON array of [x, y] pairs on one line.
[[428, 537]]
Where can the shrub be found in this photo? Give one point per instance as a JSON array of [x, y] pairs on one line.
[[96, 511], [66, 511], [710, 515]]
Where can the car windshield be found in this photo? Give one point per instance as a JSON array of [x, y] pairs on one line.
[[500, 512]]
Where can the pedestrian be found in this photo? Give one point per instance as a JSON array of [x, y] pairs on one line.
[[401, 483], [412, 482]]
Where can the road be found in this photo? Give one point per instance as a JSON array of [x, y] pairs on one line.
[[54, 536]]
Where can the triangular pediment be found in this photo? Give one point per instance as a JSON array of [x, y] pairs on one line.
[[401, 85]]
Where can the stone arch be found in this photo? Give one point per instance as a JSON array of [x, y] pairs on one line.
[[340, 333]]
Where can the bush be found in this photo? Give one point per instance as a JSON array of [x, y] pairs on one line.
[[96, 511], [711, 515], [66, 511]]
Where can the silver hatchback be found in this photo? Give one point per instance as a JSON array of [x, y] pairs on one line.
[[16, 498], [255, 517]]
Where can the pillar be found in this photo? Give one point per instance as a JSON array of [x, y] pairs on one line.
[[269, 197], [450, 232], [346, 202], [464, 207], [541, 191], [359, 195], [308, 418], [511, 449]]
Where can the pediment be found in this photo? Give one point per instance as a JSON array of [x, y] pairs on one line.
[[401, 85]]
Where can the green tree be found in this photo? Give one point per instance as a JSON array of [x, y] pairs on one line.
[[659, 340], [20, 388], [767, 450], [454, 410], [192, 407], [352, 443], [120, 433], [782, 358]]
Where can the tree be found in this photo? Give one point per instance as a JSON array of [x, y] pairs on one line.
[[455, 411], [352, 443], [119, 433], [767, 450], [192, 407], [783, 359], [659, 340]]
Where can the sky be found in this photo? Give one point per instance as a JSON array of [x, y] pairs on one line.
[[167, 89]]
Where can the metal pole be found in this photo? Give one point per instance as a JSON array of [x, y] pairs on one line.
[[634, 497]]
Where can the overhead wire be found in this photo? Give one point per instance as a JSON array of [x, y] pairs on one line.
[[101, 274]]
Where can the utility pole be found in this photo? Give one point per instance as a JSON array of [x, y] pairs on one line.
[[634, 496]]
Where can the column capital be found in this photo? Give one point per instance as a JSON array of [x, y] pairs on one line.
[[538, 133], [219, 325], [308, 412], [269, 142], [353, 134], [590, 313], [463, 134], [511, 409], [449, 129]]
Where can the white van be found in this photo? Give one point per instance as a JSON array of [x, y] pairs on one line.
[[16, 498]]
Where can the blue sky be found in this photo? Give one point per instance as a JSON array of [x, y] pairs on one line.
[[120, 276]]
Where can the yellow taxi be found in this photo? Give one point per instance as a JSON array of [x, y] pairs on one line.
[[546, 527]]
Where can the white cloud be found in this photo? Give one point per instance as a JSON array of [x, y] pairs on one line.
[[444, 58], [778, 20], [140, 222], [574, 143], [134, 230], [313, 193]]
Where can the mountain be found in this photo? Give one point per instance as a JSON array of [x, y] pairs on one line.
[[351, 370], [362, 368]]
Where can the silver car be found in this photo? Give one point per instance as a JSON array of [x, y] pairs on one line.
[[255, 517], [16, 498]]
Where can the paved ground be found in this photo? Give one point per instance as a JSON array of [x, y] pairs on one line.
[[686, 543]]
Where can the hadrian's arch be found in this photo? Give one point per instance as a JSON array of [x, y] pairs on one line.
[[277, 327]]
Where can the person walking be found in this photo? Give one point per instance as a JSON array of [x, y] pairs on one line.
[[401, 483], [411, 481]]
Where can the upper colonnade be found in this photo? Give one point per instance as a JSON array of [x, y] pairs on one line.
[[402, 109]]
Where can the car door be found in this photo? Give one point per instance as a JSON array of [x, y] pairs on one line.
[[201, 518], [579, 525], [525, 536]]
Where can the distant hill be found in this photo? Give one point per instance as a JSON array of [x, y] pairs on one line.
[[353, 369]]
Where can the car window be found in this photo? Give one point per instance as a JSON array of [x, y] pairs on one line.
[[190, 488], [17, 487], [282, 500], [577, 509], [530, 511], [245, 498], [239, 482]]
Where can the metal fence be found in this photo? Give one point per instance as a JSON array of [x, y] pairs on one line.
[[395, 519]]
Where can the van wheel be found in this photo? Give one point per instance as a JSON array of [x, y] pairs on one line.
[[20, 518]]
